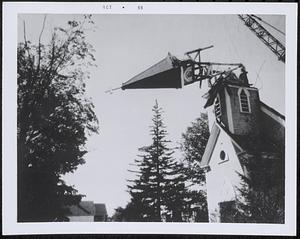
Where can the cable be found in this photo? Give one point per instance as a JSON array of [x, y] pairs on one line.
[[262, 85], [230, 39], [257, 73]]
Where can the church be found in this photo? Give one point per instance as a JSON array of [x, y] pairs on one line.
[[240, 125]]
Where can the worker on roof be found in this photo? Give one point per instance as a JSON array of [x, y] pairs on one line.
[[243, 76]]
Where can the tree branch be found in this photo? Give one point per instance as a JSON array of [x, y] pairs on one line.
[[25, 40], [39, 51]]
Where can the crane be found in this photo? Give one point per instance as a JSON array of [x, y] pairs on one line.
[[266, 37]]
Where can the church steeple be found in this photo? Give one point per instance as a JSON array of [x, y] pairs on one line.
[[236, 105]]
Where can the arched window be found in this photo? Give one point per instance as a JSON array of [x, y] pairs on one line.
[[218, 112], [244, 100]]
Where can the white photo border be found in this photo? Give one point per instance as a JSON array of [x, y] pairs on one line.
[[9, 123]]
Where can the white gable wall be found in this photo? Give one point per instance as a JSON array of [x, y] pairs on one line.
[[222, 179]]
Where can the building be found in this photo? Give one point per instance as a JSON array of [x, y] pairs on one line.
[[101, 212], [87, 211], [243, 125]]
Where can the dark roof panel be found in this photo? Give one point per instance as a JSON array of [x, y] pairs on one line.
[[164, 74], [84, 208], [272, 110], [100, 209]]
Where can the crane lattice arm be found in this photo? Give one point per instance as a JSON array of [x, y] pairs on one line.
[[269, 40]]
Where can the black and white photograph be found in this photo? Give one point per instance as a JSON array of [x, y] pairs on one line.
[[151, 122]]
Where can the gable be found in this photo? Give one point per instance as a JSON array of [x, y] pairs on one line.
[[224, 153], [212, 141]]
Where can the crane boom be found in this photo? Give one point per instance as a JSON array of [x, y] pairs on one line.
[[269, 40]]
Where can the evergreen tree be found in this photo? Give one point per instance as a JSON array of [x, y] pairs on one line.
[[262, 192], [54, 118], [193, 145], [118, 215], [159, 185]]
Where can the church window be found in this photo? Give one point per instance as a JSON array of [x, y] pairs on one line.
[[223, 157], [244, 101]]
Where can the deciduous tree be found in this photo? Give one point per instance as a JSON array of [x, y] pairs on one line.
[[54, 118], [193, 145]]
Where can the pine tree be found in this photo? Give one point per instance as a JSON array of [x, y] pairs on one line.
[[159, 186]]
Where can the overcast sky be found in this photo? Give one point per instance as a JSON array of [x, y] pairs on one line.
[[128, 44]]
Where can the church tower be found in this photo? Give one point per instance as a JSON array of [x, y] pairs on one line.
[[236, 107]]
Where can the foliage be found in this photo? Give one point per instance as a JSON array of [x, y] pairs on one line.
[[54, 118], [193, 145], [159, 185], [262, 190], [118, 215]]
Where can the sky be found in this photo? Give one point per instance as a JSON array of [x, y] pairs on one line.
[[125, 45]]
